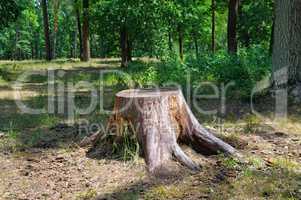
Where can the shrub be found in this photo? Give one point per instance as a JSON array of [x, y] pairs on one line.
[[245, 70]]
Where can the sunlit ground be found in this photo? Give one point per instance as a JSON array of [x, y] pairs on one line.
[[40, 156]]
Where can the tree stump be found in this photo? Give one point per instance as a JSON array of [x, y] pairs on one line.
[[161, 119]]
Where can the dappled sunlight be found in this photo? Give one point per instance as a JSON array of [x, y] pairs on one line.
[[150, 100], [272, 147]]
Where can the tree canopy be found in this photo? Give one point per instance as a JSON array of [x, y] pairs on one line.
[[153, 28]]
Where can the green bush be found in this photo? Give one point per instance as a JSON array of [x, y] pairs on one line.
[[244, 70]]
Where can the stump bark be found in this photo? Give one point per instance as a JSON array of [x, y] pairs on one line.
[[160, 119]]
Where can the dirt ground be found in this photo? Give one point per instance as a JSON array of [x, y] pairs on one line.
[[70, 174], [272, 169]]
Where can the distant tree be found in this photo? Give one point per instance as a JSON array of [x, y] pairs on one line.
[[130, 28], [272, 37], [79, 26], [86, 44], [232, 26], [287, 43], [125, 45], [56, 7], [213, 4], [181, 41], [46, 30]]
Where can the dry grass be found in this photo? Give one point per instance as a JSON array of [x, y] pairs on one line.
[[58, 64]]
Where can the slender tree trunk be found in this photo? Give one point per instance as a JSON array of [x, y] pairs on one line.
[[213, 26], [170, 40], [181, 48], [74, 44], [54, 45], [79, 28], [287, 43], [56, 7], [36, 44], [86, 44], [129, 50], [46, 30], [272, 37], [196, 45], [102, 50], [232, 23], [32, 50], [16, 51], [126, 56]]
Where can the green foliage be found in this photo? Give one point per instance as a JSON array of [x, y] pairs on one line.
[[229, 162], [9, 12], [143, 74], [255, 23], [243, 70], [153, 26], [17, 39]]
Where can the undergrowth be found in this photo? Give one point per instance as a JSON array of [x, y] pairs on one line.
[[243, 71], [123, 146]]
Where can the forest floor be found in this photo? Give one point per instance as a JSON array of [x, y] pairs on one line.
[[41, 159]]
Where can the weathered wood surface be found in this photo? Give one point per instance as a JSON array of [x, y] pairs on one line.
[[161, 119]]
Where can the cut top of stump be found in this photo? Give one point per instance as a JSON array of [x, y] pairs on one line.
[[148, 93]]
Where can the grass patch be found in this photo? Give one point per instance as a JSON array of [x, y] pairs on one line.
[[235, 140], [252, 124], [9, 143], [54, 64], [16, 141], [256, 162], [162, 192], [21, 122], [86, 195], [281, 181], [126, 146], [285, 164]]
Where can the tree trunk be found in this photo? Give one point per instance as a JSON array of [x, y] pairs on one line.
[[74, 44], [129, 46], [54, 44], [213, 26], [79, 27], [170, 43], [56, 6], [196, 45], [32, 55], [232, 22], [161, 119], [86, 44], [16, 49], [287, 43], [272, 37], [181, 50], [125, 45], [36, 44], [46, 30]]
